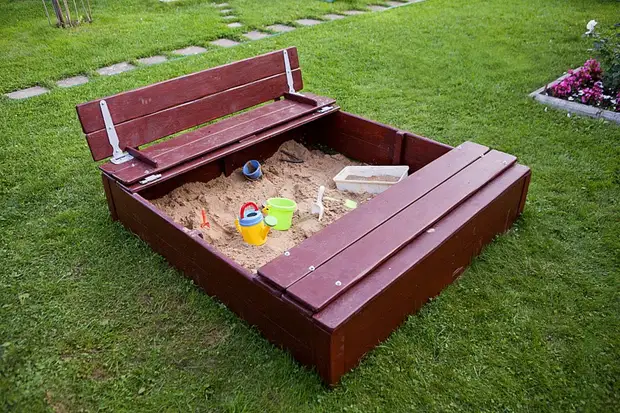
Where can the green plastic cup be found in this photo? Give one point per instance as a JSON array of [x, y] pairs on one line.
[[282, 209]]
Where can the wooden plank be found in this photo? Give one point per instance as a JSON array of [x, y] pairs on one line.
[[228, 150], [334, 277], [159, 96], [283, 271], [404, 283], [221, 277], [145, 129], [435, 256], [210, 138], [419, 151], [108, 196]]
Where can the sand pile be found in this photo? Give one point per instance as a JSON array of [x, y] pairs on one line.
[[222, 198]]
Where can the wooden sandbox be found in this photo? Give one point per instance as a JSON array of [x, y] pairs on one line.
[[343, 290]]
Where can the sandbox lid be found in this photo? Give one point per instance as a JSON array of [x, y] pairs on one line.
[[324, 266]]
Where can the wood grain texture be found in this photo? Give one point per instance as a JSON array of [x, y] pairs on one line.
[[371, 311], [156, 125], [159, 96], [230, 149], [418, 151], [283, 271], [334, 277], [209, 138]]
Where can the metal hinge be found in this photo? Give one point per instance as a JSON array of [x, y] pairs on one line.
[[118, 156], [150, 178], [289, 73]]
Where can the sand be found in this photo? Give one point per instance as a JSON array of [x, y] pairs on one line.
[[222, 198]]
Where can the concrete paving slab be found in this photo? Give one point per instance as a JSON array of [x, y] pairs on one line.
[[280, 28], [221, 4], [333, 16], [377, 8], [189, 51], [27, 93], [234, 25], [308, 22], [153, 60], [395, 3], [72, 81], [255, 35], [226, 11], [224, 43], [353, 12], [115, 69], [229, 17]]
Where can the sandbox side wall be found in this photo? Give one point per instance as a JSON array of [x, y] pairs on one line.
[[279, 321]]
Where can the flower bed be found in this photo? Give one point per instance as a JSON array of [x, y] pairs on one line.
[[581, 91]]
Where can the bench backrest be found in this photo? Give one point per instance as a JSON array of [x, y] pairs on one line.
[[152, 112]]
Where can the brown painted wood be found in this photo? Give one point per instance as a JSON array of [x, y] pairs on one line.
[[231, 149], [283, 271], [397, 149], [358, 138], [334, 277], [159, 96], [418, 151], [371, 311], [141, 156], [153, 126], [298, 97], [498, 200], [108, 196], [526, 187], [205, 140]]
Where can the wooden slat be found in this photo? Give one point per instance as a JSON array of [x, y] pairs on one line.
[[159, 96], [212, 137], [456, 239], [283, 271], [369, 312], [230, 149], [335, 276], [156, 125]]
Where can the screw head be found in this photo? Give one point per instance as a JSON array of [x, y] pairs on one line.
[[287, 253], [311, 268], [338, 283]]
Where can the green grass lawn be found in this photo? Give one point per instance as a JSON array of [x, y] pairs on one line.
[[92, 319], [127, 30]]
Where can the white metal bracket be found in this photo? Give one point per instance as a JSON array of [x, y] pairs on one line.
[[118, 156], [289, 73]]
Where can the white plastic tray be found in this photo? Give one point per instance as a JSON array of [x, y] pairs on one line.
[[372, 187]]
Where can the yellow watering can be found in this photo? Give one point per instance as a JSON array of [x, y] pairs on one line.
[[252, 225]]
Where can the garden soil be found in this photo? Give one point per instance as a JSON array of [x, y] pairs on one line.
[[222, 198]]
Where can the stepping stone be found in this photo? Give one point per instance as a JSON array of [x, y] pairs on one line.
[[153, 60], [27, 93], [395, 3], [233, 25], [224, 43], [190, 50], [221, 4], [333, 16], [229, 17], [280, 28], [352, 12], [115, 69], [167, 1], [308, 22], [255, 35], [72, 81], [377, 8], [225, 11]]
